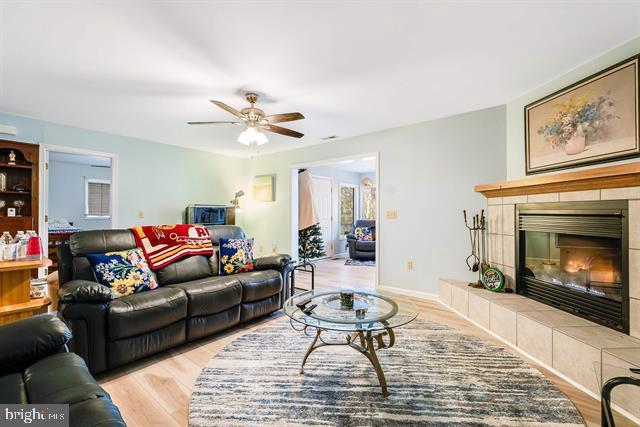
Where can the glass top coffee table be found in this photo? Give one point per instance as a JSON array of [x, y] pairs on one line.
[[366, 318]]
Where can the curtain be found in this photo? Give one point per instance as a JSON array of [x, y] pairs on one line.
[[307, 215]]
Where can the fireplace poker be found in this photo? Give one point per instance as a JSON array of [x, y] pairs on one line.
[[484, 264], [473, 239]]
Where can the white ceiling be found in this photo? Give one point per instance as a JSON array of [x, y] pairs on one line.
[[143, 69], [81, 159], [364, 165]]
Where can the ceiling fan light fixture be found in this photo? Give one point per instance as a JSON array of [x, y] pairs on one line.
[[262, 138], [251, 135], [248, 135], [255, 121]]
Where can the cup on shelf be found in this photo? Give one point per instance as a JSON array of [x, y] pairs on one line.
[[39, 288], [34, 246], [9, 251]]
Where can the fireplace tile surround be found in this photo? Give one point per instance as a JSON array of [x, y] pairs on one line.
[[501, 240], [581, 351]]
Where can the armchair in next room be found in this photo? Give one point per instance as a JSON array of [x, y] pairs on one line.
[[363, 247]]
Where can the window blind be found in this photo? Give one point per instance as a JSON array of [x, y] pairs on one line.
[[98, 199]]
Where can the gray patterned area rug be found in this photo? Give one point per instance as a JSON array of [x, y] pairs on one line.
[[358, 262], [436, 375]]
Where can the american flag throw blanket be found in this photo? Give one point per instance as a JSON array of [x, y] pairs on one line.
[[164, 244]]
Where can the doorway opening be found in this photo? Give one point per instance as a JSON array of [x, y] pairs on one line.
[[335, 203], [79, 194]]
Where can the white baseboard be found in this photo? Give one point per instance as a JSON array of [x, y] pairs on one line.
[[410, 293], [579, 386]]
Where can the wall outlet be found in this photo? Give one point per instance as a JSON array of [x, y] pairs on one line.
[[274, 248], [392, 214], [141, 214], [260, 249], [410, 265]]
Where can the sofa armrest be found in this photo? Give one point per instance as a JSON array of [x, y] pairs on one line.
[[271, 262], [351, 236], [28, 340], [282, 263], [85, 291], [88, 322]]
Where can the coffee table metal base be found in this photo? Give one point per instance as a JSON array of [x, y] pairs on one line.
[[366, 343]]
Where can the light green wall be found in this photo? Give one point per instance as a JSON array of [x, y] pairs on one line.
[[427, 174], [515, 109], [158, 178]]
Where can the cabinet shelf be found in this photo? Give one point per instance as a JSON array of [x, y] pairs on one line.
[[26, 193], [7, 165], [24, 173]]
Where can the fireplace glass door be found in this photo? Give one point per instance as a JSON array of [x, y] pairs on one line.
[[587, 264], [574, 256]]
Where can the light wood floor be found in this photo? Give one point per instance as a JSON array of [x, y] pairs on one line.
[[331, 273], [156, 391]]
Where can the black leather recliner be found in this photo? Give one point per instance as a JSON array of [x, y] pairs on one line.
[[191, 302], [359, 249], [36, 368]]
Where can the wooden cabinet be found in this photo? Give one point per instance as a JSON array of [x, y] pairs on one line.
[[231, 216], [19, 166], [15, 285]]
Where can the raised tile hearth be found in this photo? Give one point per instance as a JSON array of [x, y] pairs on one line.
[[579, 350]]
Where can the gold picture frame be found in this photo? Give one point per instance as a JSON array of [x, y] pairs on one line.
[[592, 121]]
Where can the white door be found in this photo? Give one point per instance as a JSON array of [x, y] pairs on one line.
[[322, 202]]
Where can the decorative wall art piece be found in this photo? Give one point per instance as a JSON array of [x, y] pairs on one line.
[[264, 188], [592, 121]]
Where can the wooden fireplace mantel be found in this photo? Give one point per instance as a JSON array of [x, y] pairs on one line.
[[627, 175]]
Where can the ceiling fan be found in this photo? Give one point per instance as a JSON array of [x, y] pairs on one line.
[[254, 121]]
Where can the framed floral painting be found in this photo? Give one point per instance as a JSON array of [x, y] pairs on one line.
[[592, 121]]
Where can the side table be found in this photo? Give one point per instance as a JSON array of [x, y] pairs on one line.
[[307, 267]]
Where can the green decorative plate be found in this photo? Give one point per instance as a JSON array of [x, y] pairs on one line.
[[493, 279]]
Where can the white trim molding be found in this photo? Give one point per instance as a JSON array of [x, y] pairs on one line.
[[45, 149], [293, 197], [410, 293]]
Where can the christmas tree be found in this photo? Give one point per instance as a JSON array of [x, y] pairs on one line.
[[310, 244]]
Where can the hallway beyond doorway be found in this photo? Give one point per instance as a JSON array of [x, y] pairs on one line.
[[332, 273]]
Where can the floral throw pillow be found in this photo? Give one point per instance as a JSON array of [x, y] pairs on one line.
[[236, 256], [125, 272], [364, 233]]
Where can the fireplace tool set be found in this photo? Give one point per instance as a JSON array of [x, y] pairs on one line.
[[477, 260]]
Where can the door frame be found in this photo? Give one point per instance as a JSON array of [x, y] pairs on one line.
[[330, 179], [45, 149], [293, 198]]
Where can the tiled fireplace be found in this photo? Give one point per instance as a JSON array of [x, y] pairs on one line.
[[593, 270], [574, 239]]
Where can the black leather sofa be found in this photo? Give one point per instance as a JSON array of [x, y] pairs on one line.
[[191, 302], [36, 368], [359, 249]]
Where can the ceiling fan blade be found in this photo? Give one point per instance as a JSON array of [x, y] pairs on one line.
[[284, 117], [229, 109], [214, 123], [282, 131]]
